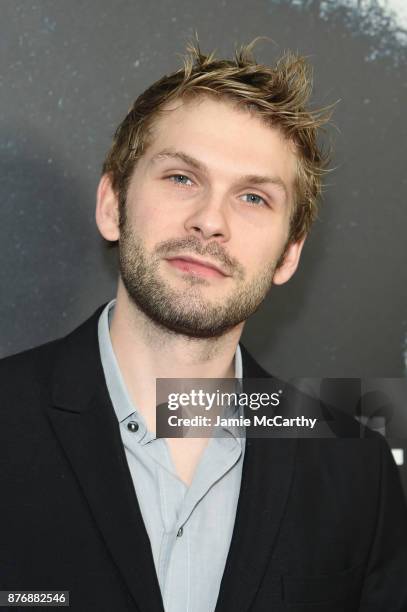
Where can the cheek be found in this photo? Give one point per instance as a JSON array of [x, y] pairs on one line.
[[154, 226], [145, 212], [262, 248]]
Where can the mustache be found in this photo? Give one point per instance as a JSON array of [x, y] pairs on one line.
[[167, 248]]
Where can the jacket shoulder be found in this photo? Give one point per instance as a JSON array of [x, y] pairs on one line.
[[28, 377], [33, 366], [40, 360], [29, 358]]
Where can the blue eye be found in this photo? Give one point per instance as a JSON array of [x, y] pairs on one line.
[[180, 179], [255, 199]]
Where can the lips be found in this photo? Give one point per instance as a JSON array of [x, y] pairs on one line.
[[198, 266]]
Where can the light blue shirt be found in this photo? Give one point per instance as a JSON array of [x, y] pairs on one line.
[[190, 528]]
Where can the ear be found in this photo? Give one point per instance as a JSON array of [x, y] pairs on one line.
[[107, 209], [290, 262]]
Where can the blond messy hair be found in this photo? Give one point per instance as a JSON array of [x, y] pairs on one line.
[[277, 94]]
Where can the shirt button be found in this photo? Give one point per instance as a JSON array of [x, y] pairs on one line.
[[133, 426], [180, 532]]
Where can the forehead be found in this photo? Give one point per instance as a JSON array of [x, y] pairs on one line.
[[224, 138]]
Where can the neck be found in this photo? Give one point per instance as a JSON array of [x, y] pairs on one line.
[[146, 351]]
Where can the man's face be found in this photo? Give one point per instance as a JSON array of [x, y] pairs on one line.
[[215, 186]]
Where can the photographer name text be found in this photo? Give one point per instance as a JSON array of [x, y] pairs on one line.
[[256, 421]]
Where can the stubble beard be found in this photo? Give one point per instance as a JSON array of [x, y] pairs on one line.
[[186, 310]]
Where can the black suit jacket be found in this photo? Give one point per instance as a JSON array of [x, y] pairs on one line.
[[321, 524]]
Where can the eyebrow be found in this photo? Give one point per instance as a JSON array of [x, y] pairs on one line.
[[198, 165]]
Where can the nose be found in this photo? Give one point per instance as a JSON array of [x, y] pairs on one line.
[[209, 218]]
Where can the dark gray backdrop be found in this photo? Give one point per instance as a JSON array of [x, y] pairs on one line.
[[69, 72]]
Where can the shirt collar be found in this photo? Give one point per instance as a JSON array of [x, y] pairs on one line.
[[122, 403]]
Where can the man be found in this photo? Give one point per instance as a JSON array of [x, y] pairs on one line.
[[209, 189]]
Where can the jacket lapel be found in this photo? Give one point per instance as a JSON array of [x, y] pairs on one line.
[[84, 421], [268, 471]]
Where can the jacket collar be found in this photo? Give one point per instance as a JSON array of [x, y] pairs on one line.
[[83, 419], [78, 369]]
